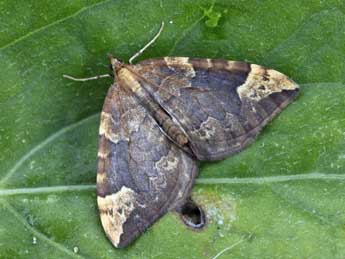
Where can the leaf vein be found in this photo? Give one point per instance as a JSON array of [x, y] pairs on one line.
[[37, 233], [272, 179], [249, 180], [14, 42], [43, 144], [184, 34], [49, 189]]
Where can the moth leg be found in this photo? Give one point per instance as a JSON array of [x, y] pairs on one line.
[[192, 214]]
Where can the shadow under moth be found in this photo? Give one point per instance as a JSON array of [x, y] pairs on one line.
[[162, 115]]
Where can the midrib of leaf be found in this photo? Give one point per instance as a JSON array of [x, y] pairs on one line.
[[48, 189], [29, 34], [272, 179], [203, 181]]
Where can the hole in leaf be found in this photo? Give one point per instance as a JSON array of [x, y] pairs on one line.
[[192, 215]]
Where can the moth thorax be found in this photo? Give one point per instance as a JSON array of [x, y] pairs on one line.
[[128, 79]]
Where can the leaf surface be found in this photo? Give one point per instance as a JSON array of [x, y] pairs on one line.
[[282, 197]]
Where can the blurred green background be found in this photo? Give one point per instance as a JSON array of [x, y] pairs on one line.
[[283, 197]]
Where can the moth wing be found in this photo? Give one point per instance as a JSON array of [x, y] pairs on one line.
[[141, 174], [221, 105]]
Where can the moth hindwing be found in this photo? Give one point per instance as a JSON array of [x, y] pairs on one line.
[[162, 115]]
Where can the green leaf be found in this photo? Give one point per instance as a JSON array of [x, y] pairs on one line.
[[283, 197]]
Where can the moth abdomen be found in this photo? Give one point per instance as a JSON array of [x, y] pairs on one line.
[[170, 127]]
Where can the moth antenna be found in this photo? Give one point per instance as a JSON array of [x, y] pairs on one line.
[[147, 45], [86, 78]]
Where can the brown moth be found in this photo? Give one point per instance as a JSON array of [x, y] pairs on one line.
[[162, 115]]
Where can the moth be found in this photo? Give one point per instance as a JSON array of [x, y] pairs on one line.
[[162, 115]]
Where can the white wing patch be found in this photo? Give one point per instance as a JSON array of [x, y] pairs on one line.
[[261, 83], [115, 209]]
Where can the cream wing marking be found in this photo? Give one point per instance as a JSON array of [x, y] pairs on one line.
[[262, 82], [182, 62], [115, 210]]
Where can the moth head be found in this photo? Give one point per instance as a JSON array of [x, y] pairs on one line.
[[115, 64]]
